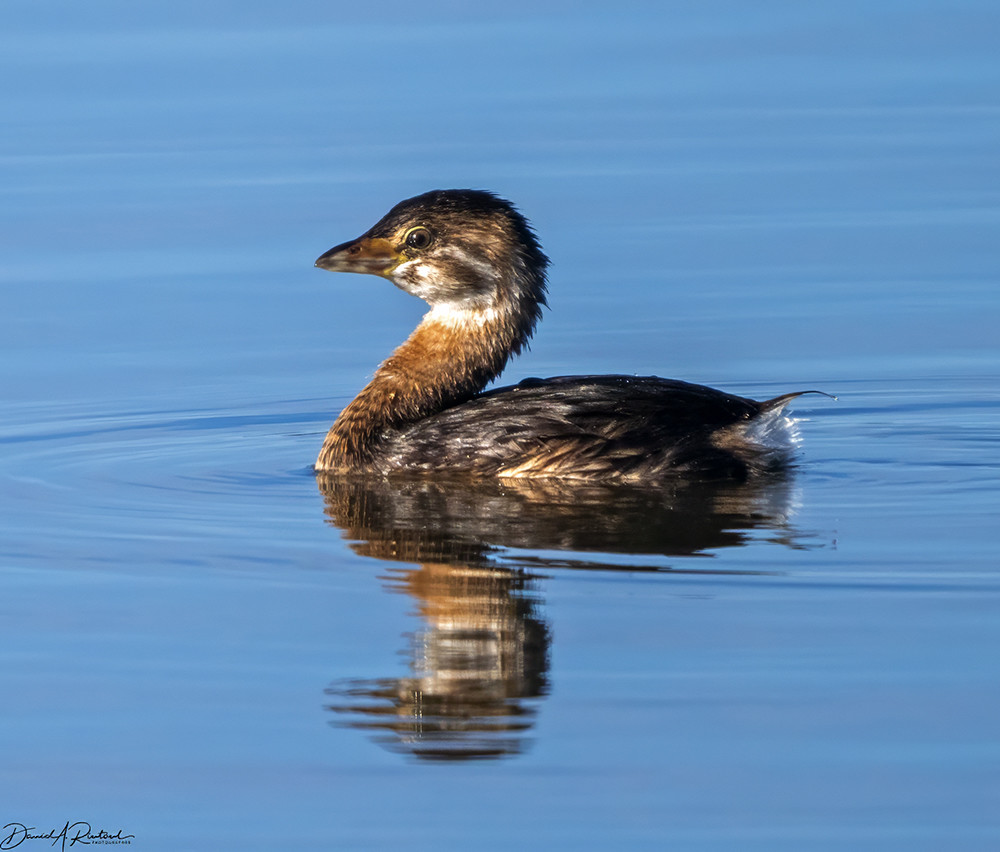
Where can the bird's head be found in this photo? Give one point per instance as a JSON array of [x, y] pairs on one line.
[[454, 248]]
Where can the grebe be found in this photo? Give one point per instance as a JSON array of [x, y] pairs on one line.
[[476, 261]]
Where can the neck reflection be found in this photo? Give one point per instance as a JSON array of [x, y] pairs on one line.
[[477, 662]]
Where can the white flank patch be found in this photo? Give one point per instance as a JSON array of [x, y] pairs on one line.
[[773, 432]]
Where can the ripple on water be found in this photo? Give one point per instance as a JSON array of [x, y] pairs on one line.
[[85, 486], [87, 483]]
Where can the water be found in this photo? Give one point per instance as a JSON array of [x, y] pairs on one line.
[[204, 649]]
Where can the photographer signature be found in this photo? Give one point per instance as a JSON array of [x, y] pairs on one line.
[[73, 833]]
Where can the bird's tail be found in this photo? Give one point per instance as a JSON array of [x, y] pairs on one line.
[[779, 402], [770, 440]]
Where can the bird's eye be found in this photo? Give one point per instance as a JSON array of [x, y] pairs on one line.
[[418, 238]]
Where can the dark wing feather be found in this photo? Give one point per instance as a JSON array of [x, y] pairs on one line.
[[590, 427]]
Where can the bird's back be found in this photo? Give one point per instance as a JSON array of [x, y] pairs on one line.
[[613, 428]]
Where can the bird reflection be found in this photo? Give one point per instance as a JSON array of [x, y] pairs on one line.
[[471, 556]]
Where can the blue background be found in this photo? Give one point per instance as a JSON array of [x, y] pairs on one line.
[[757, 196]]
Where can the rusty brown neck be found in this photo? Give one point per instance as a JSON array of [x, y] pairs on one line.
[[451, 356]]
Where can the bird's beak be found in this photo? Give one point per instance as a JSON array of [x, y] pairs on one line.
[[371, 255]]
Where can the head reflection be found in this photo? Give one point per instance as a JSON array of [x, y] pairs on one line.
[[478, 665]]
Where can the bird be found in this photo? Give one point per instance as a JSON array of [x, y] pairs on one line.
[[477, 262]]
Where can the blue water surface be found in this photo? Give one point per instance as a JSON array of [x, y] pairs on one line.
[[202, 649]]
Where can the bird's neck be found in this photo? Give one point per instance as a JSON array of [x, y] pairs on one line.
[[451, 356]]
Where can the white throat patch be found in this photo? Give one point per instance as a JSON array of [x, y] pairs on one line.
[[458, 316]]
